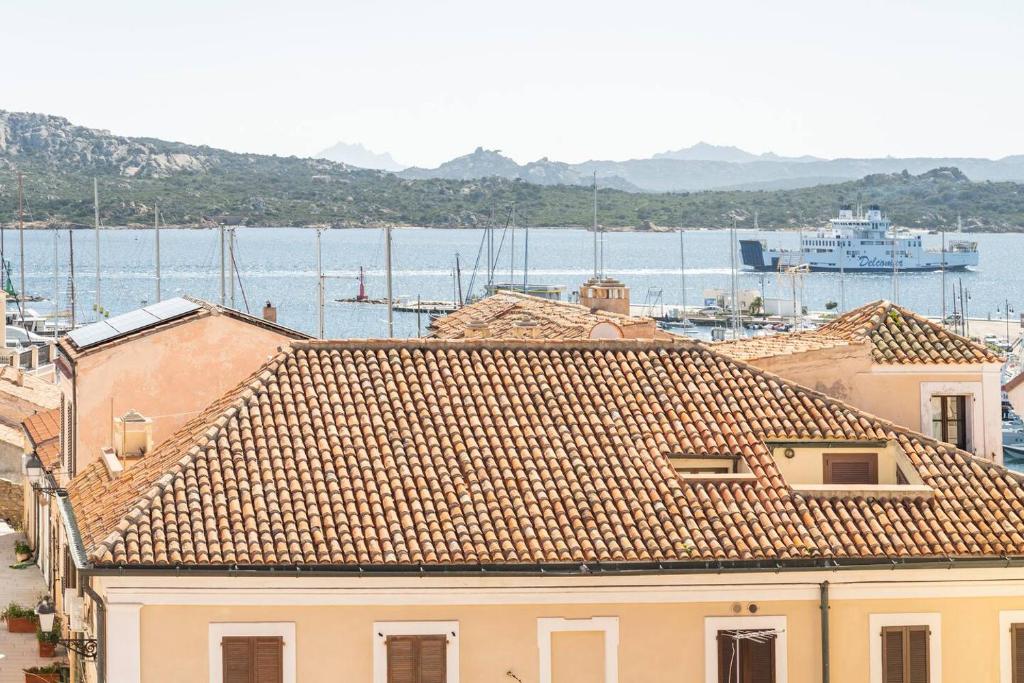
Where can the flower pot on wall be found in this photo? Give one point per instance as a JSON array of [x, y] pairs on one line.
[[41, 678], [47, 649], [21, 624]]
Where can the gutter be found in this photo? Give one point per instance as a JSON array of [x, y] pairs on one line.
[[825, 664], [101, 631], [573, 569]]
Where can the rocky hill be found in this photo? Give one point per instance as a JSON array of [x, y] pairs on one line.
[[491, 163], [196, 185]]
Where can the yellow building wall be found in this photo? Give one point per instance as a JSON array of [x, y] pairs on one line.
[[658, 643]]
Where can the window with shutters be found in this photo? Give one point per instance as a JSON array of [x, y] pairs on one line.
[[1017, 653], [949, 420], [746, 656], [417, 659], [252, 659], [905, 654], [850, 468]]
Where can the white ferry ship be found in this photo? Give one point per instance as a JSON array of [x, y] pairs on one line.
[[860, 244]]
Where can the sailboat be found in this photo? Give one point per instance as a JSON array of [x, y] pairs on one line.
[[681, 322]]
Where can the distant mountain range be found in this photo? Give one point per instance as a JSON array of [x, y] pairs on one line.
[[708, 167], [198, 185], [357, 155], [703, 151]]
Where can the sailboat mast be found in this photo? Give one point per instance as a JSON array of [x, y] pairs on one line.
[[56, 282], [895, 271], [71, 277], [732, 262], [682, 268], [96, 223], [526, 258], [458, 282], [387, 263], [21, 245], [222, 264], [233, 267], [320, 285], [156, 232], [512, 251], [595, 225], [943, 270]]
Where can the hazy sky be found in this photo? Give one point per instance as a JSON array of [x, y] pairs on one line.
[[430, 79]]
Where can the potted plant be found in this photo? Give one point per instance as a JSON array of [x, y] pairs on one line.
[[48, 639], [22, 551], [51, 673], [19, 619]]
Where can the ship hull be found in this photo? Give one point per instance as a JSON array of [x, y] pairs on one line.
[[772, 268], [756, 257]]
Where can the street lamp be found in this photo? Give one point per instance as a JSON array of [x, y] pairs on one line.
[[46, 614], [1007, 310], [33, 469]]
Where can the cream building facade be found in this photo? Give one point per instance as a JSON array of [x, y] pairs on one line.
[[548, 512]]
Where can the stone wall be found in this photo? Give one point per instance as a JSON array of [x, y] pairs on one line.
[[11, 502]]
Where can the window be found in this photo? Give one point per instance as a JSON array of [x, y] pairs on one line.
[[416, 652], [258, 659], [905, 656], [417, 659], [850, 468], [746, 656], [1017, 653], [949, 421]]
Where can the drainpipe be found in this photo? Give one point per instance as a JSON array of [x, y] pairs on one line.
[[101, 631], [825, 674]]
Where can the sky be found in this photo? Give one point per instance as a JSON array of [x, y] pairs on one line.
[[569, 80]]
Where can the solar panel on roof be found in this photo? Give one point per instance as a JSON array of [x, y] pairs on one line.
[[172, 308], [92, 334], [120, 325], [134, 320]]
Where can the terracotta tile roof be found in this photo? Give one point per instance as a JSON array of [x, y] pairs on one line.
[[897, 336], [402, 453], [43, 432], [767, 346], [43, 426], [900, 336], [555, 319]]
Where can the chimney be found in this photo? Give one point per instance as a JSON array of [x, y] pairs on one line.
[[133, 437], [477, 329], [605, 294], [526, 328], [270, 313]]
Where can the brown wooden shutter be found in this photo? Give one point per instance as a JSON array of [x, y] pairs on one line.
[[917, 654], [744, 660], [728, 658], [759, 661], [432, 659], [905, 655], [1017, 652], [402, 659], [253, 659], [892, 655], [417, 659], [851, 468], [268, 660], [237, 663]]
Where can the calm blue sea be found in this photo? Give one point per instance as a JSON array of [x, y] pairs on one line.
[[279, 264]]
